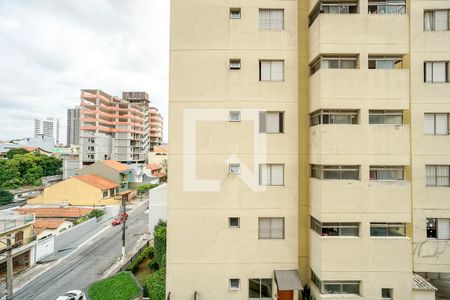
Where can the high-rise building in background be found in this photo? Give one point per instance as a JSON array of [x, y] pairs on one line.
[[111, 128], [48, 127], [73, 126], [156, 127], [309, 145], [141, 99]]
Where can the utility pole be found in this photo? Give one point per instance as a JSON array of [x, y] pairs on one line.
[[9, 268], [124, 219]]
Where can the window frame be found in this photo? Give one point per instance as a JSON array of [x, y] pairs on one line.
[[230, 285], [236, 112], [391, 293], [270, 165], [433, 19], [401, 8], [234, 226], [386, 113], [432, 72], [263, 127], [260, 287], [436, 177], [271, 234], [331, 114], [341, 283], [321, 169], [234, 64], [378, 168], [235, 13], [233, 166], [317, 63], [318, 227], [388, 225], [261, 61], [319, 9], [434, 114], [436, 229], [396, 59], [271, 26]]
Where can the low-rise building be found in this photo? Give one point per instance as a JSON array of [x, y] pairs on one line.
[[155, 173], [80, 190], [23, 240], [46, 227], [112, 170]]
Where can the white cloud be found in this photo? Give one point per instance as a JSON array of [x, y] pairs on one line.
[[50, 49]]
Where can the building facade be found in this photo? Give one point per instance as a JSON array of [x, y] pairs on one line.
[[48, 127], [73, 126], [155, 128], [309, 145], [111, 128]]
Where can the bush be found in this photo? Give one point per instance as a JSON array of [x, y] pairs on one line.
[[156, 285], [160, 240], [153, 265], [96, 213], [5, 197], [146, 253]]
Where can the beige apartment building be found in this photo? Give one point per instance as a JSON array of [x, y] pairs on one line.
[[309, 146]]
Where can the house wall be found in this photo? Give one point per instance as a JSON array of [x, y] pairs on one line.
[[102, 170], [28, 234]]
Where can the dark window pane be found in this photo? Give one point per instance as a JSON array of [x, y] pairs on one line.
[[266, 288], [331, 174], [349, 232], [350, 288], [331, 288], [378, 231], [253, 288], [396, 231]]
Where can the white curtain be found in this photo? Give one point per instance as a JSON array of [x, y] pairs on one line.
[[428, 21], [277, 228], [264, 174], [439, 72], [264, 228]]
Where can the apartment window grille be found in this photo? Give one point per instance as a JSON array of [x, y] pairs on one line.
[[436, 123], [436, 71], [271, 19], [385, 62], [234, 169], [393, 117], [235, 284], [436, 20], [271, 122], [333, 7], [387, 229], [334, 229], [437, 175], [260, 288], [271, 70], [271, 174], [271, 228], [234, 116], [334, 62], [235, 64], [384, 173], [235, 13], [234, 222], [334, 117], [387, 294], [438, 228], [335, 172], [387, 7]]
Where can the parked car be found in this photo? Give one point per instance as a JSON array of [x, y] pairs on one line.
[[72, 295], [123, 215], [116, 221]]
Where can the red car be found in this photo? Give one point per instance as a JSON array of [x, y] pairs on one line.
[[123, 215], [116, 221]]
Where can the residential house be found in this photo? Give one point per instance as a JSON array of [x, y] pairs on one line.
[[155, 173], [112, 170], [46, 227], [20, 229]]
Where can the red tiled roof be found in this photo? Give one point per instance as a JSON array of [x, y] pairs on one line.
[[115, 165], [56, 212], [153, 166], [31, 149], [47, 223], [97, 181]]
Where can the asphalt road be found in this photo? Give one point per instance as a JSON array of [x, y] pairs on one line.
[[87, 264]]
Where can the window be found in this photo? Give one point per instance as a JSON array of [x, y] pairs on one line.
[[271, 70], [332, 7], [271, 228], [334, 229], [105, 194], [334, 117], [234, 168], [436, 72], [91, 148], [437, 175], [260, 288], [271, 19], [438, 228], [387, 229], [234, 222], [386, 294], [235, 284], [385, 62], [235, 64], [271, 174], [335, 172], [387, 173], [271, 122], [18, 237], [316, 280], [91, 140], [90, 156], [341, 287], [387, 7], [334, 62], [235, 13], [436, 123], [234, 116], [436, 20], [386, 117]]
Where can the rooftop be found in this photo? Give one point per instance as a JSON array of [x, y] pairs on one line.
[[153, 166], [115, 165], [56, 212], [47, 223], [97, 181]]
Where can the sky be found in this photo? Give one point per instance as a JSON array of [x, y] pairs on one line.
[[50, 49]]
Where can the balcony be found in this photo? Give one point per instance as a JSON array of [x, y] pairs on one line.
[[347, 88], [331, 198], [330, 30]]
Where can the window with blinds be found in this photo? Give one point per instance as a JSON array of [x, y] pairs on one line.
[[436, 71], [436, 20], [271, 122], [271, 19], [436, 123], [271, 174], [271, 228], [271, 70], [438, 228], [437, 175]]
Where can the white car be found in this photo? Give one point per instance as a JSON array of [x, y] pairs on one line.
[[72, 295]]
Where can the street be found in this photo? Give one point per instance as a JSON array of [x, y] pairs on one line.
[[87, 264]]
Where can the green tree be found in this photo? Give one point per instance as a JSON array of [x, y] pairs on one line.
[[33, 175], [160, 241], [5, 197], [11, 153]]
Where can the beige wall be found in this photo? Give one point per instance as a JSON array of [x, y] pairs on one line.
[[28, 233], [73, 192]]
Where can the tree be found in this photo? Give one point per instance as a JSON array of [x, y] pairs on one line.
[[144, 188], [11, 153], [160, 241], [5, 197]]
